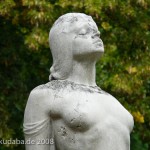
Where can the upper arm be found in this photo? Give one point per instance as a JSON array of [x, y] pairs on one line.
[[37, 123], [38, 105]]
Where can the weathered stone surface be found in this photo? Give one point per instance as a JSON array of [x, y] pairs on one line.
[[71, 110]]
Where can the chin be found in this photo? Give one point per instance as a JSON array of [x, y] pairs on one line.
[[98, 52], [99, 49]]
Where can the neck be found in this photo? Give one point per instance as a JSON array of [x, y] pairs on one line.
[[83, 73]]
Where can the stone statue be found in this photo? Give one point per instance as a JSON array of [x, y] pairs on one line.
[[71, 110]]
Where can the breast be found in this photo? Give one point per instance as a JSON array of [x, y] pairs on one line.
[[82, 111], [117, 111], [78, 111], [78, 120]]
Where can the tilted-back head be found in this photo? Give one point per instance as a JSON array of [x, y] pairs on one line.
[[60, 39]]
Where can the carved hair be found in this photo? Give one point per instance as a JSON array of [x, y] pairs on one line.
[[60, 48]]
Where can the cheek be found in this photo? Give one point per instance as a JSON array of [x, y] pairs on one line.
[[81, 45]]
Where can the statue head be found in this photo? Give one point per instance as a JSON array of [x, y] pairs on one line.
[[73, 36]]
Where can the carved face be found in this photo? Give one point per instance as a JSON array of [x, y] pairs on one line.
[[73, 36], [86, 39]]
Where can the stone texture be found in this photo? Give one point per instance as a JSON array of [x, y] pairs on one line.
[[71, 109]]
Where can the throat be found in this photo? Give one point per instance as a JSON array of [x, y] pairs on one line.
[[83, 73]]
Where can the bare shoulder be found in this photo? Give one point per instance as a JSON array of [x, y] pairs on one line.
[[42, 90], [39, 103], [48, 90], [41, 95], [38, 106]]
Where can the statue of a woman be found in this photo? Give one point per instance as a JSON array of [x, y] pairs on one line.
[[71, 112]]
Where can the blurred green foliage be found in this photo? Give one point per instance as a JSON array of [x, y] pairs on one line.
[[25, 59]]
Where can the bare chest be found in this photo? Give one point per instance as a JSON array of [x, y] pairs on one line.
[[81, 111]]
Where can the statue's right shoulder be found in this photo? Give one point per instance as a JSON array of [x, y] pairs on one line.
[[44, 86], [41, 91], [43, 96], [49, 89], [52, 85]]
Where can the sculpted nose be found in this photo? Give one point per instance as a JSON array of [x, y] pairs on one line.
[[96, 34]]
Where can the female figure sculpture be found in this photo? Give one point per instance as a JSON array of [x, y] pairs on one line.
[[71, 109]]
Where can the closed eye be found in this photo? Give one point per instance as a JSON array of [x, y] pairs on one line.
[[82, 32], [85, 31]]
